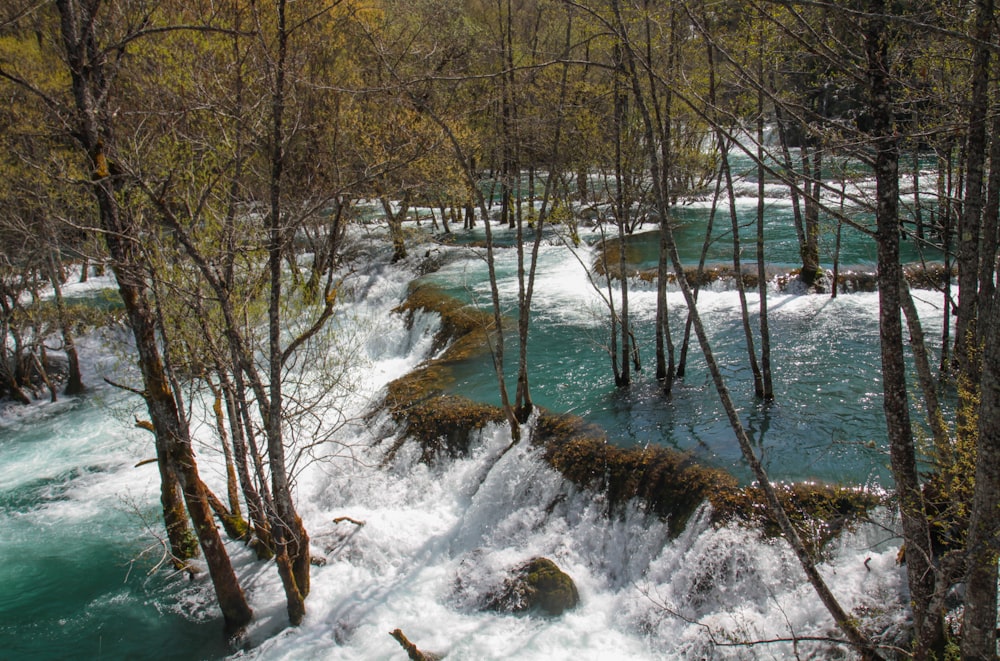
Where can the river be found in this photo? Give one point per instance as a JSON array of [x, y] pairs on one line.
[[79, 534]]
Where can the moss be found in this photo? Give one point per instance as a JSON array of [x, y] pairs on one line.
[[929, 276], [463, 328], [188, 546], [446, 423], [671, 483], [918, 275], [536, 586], [819, 512], [236, 527], [441, 422]]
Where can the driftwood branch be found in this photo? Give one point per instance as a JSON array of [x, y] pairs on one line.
[[356, 522], [411, 649]]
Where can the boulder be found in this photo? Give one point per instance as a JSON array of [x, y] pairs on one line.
[[535, 586]]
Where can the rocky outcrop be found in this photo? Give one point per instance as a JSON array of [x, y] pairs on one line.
[[537, 586]]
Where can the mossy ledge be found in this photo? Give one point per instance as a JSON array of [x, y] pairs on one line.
[[671, 484], [930, 275], [438, 421]]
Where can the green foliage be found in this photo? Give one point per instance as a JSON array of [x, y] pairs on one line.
[[949, 489]]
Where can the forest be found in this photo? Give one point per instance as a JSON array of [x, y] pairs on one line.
[[228, 163]]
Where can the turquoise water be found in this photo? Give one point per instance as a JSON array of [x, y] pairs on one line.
[[826, 422], [78, 522], [73, 573]]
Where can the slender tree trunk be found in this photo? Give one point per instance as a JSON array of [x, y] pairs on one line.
[[89, 81], [290, 536], [946, 190], [991, 225], [921, 361], [74, 380], [497, 343], [812, 167], [971, 219], [232, 483], [622, 204], [902, 452], [263, 544], [800, 226], [767, 384], [979, 623], [835, 285], [758, 379], [395, 220], [706, 244], [666, 365]]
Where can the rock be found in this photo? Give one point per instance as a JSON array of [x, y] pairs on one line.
[[537, 585]]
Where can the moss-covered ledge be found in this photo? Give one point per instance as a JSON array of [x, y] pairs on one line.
[[922, 275], [418, 402], [464, 329], [671, 484]]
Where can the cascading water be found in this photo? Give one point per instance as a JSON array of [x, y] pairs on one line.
[[436, 539]]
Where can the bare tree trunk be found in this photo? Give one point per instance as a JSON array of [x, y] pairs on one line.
[[945, 191], [290, 536], [928, 387], [971, 219], [622, 204], [767, 383], [395, 220], [88, 83], [706, 244], [845, 622], [232, 485], [758, 379], [902, 452], [800, 226], [991, 225], [979, 623]]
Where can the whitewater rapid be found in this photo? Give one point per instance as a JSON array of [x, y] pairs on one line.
[[435, 538]]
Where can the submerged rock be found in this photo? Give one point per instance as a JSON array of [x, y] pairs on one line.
[[538, 585]]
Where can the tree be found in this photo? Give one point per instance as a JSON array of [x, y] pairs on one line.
[[847, 624], [92, 67]]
